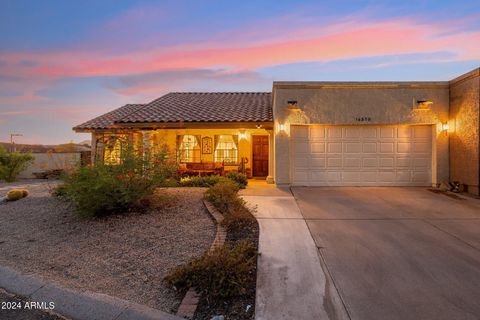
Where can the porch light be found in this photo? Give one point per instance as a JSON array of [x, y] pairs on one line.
[[282, 127], [242, 135], [445, 126], [293, 105]]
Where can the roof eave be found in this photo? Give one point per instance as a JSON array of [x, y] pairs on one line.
[[196, 124]]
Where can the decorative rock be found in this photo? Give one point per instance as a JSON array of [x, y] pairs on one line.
[[16, 194]]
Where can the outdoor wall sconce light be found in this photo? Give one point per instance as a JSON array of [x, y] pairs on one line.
[[293, 105], [242, 135], [445, 126], [423, 104], [282, 127]]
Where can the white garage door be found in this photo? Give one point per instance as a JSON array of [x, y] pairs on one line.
[[361, 155]]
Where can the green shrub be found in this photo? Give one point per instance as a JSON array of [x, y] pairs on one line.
[[60, 190], [102, 190], [224, 195], [118, 188], [238, 220], [223, 273], [239, 178], [197, 181], [162, 168], [12, 164]]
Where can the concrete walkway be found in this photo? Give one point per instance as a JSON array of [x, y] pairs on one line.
[[290, 280], [75, 304]]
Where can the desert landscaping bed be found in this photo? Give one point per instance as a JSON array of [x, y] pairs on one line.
[[126, 256]]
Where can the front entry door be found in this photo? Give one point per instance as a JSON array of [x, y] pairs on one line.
[[260, 156]]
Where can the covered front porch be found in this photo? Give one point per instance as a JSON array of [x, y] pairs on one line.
[[197, 149]]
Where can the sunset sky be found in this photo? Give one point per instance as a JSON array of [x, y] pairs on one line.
[[64, 62]]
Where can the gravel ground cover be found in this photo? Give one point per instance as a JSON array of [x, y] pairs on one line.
[[126, 256]]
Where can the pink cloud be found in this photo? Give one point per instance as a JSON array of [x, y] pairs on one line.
[[342, 41], [15, 113]]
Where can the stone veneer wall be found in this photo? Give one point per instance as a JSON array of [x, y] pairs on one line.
[[465, 130]]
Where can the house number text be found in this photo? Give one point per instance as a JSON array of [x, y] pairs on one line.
[[363, 119]]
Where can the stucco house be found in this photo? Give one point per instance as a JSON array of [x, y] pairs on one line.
[[314, 133]]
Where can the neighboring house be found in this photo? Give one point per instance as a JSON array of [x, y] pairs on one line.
[[314, 133]]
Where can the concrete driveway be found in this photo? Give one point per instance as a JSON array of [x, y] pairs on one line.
[[398, 253]]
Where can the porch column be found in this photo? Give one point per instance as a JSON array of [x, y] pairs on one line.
[[99, 148], [271, 158], [93, 148], [146, 144]]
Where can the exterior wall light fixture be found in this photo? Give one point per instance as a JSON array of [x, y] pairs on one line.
[[242, 135], [423, 104], [293, 105], [282, 127], [445, 126]]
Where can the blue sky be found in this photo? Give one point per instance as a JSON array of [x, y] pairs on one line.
[[64, 62]]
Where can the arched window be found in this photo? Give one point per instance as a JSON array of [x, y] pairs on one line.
[[189, 148]]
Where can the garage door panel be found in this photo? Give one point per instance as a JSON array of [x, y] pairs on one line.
[[387, 132], [350, 163], [352, 147], [334, 132], [387, 162], [369, 176], [404, 176], [317, 147], [369, 147], [318, 175], [334, 147], [370, 162], [334, 176], [334, 162], [361, 155], [421, 163], [387, 147], [318, 162], [317, 132], [404, 132], [353, 176], [369, 132], [404, 147], [386, 176], [403, 162], [353, 133]]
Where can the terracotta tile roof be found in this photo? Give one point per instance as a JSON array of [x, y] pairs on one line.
[[191, 107], [106, 120], [205, 107]]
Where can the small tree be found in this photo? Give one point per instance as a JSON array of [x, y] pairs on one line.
[[12, 163]]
